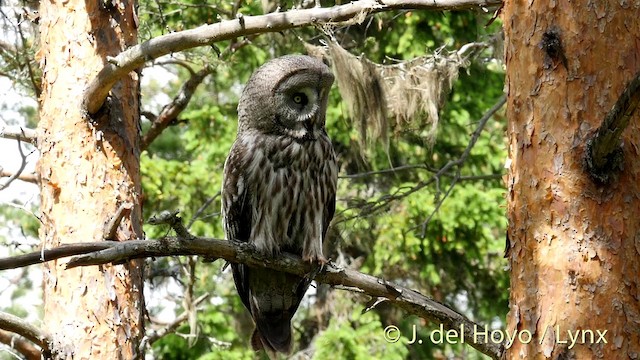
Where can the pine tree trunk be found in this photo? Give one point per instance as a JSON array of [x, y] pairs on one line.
[[89, 169], [574, 243]]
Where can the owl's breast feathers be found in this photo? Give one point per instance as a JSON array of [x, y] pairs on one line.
[[288, 187]]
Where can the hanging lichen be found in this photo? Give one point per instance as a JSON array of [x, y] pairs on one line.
[[389, 99]]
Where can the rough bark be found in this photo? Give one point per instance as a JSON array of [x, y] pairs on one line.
[[89, 168], [574, 243]]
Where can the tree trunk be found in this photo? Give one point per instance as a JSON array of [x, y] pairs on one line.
[[89, 168], [574, 243]]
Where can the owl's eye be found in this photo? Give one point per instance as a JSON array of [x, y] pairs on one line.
[[300, 98]]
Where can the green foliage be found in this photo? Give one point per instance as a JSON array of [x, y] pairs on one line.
[[225, 345], [359, 337]]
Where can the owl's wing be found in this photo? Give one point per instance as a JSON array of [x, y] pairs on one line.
[[329, 211], [236, 213], [330, 186]]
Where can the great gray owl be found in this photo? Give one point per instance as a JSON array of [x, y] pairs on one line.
[[279, 187]]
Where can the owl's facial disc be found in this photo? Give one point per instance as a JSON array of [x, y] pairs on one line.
[[299, 114]]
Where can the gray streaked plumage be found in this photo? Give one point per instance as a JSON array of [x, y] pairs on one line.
[[279, 187]]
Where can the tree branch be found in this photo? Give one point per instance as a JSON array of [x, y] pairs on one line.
[[18, 326], [24, 347], [18, 173], [30, 178], [136, 56], [62, 251], [18, 133], [458, 163], [604, 150], [171, 111], [410, 300], [7, 46]]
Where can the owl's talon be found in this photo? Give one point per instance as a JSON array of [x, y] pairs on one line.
[[319, 259], [315, 271]]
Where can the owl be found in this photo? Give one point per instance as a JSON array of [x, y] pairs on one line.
[[279, 187]]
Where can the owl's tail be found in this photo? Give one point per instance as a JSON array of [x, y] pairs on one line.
[[272, 333], [274, 297]]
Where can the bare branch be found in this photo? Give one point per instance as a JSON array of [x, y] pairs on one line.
[[52, 254], [17, 174], [480, 177], [24, 347], [178, 62], [18, 133], [458, 163], [7, 46], [111, 227], [171, 111], [29, 62], [30, 178], [385, 171], [202, 208], [18, 326], [410, 300], [136, 56], [604, 150], [155, 335]]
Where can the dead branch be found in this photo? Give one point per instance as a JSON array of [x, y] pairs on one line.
[[7, 46], [604, 150], [408, 299], [171, 111], [21, 345], [155, 335], [17, 174], [30, 178], [18, 326], [62, 251], [111, 227], [136, 56], [18, 133]]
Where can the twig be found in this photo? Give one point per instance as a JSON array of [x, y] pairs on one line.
[[24, 347], [178, 62], [18, 326], [480, 177], [37, 89], [155, 335], [385, 171], [410, 300], [7, 46], [111, 226], [171, 111], [17, 174], [172, 219], [136, 56], [604, 150], [163, 21], [18, 133], [458, 163], [202, 209]]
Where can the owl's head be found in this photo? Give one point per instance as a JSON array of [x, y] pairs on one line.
[[287, 96]]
